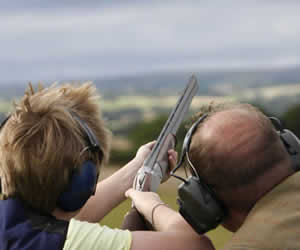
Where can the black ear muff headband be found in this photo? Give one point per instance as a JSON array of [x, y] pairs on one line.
[[91, 139]]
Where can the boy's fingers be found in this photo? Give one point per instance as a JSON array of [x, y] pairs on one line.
[[129, 192], [150, 144]]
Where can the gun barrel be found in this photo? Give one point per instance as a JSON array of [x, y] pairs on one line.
[[174, 120]]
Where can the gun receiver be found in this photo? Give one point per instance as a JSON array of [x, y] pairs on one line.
[[155, 167]]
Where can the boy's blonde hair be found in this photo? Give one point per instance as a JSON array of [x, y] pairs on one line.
[[41, 144]]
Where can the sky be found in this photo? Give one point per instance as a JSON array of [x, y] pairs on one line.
[[62, 39]]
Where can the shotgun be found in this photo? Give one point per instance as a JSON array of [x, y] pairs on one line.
[[155, 166]]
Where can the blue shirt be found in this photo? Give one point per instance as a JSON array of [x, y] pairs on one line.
[[23, 228]]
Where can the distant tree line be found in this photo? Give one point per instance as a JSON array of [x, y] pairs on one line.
[[146, 131]]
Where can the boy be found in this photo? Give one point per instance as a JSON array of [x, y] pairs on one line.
[[52, 147]]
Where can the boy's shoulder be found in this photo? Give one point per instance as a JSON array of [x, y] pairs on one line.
[[23, 228]]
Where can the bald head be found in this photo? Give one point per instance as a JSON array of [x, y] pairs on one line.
[[235, 146], [234, 132]]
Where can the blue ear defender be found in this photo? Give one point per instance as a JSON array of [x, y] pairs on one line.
[[83, 182], [81, 187]]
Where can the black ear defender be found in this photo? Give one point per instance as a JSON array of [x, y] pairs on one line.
[[290, 141], [197, 202], [83, 182]]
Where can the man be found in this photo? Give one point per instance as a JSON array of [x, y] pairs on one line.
[[251, 170], [52, 147]]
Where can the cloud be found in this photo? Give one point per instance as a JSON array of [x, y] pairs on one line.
[[69, 39]]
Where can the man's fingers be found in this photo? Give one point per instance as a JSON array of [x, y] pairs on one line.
[[173, 155]]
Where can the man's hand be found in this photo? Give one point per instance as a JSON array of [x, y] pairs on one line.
[[144, 202], [173, 155]]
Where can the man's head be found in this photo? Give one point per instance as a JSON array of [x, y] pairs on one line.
[[237, 151], [42, 144]]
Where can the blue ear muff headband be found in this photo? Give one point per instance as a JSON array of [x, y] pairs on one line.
[[83, 182], [197, 201]]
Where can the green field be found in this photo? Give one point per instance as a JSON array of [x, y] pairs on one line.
[[168, 192]]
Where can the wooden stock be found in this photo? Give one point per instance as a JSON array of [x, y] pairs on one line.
[[134, 221]]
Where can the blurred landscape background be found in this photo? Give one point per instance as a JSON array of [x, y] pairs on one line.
[[140, 54], [136, 107]]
